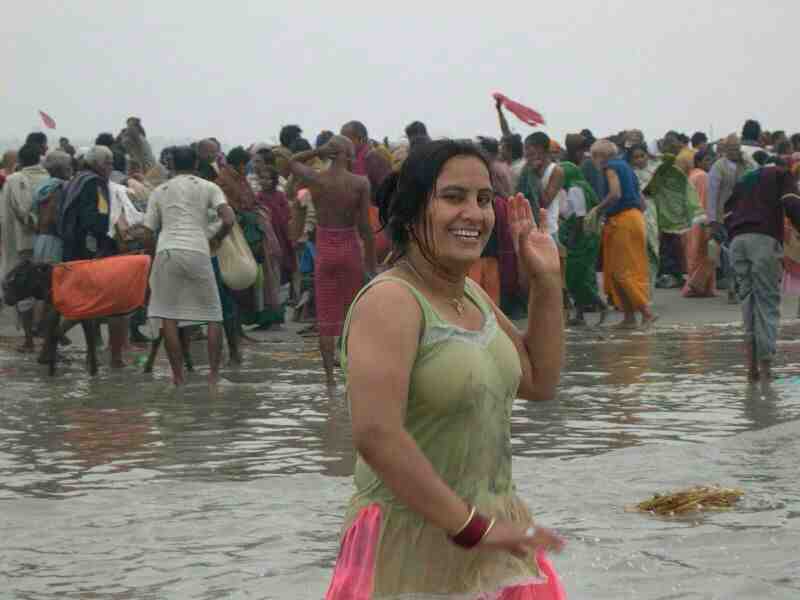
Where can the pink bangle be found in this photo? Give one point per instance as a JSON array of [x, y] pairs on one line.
[[473, 531]]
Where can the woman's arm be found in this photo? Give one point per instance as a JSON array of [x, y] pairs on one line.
[[541, 347]]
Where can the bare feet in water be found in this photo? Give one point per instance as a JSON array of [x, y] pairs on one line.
[[648, 322], [213, 383]]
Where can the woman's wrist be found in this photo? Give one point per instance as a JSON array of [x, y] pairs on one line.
[[474, 530], [545, 284], [469, 518]]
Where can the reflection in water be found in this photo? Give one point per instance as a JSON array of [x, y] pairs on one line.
[[199, 496]]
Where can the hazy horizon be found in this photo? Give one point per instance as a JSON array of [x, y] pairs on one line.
[[241, 71]]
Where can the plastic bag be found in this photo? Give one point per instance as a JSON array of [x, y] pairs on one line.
[[236, 263]]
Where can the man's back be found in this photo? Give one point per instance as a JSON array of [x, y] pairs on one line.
[[759, 202], [179, 210], [337, 197]]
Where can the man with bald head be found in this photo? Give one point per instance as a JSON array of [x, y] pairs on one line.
[[722, 178], [367, 162], [341, 200]]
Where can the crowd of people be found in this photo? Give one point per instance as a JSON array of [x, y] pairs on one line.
[[628, 216], [412, 260]]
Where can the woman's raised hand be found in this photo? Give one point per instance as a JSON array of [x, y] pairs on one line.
[[535, 248]]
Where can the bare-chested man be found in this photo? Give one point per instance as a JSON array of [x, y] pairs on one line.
[[341, 200]]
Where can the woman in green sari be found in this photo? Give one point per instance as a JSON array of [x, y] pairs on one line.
[[678, 209], [583, 245]]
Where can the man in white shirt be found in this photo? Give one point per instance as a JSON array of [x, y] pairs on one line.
[[182, 282], [537, 148]]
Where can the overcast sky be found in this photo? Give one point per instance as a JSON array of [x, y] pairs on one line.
[[240, 69]]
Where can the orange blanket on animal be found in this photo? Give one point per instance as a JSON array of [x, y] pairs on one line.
[[87, 289]]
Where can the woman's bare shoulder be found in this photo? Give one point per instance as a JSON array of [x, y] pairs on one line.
[[389, 302]]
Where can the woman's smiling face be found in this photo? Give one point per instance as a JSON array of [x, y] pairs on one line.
[[460, 217]]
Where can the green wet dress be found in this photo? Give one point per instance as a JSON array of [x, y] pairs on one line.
[[461, 390]]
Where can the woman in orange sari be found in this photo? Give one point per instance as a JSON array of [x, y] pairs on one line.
[[626, 274], [701, 281]]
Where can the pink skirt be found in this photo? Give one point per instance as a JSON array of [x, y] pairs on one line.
[[354, 574]]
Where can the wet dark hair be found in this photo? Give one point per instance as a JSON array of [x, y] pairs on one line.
[[184, 158], [105, 139], [751, 130], [384, 192], [683, 138], [538, 139], [635, 148], [795, 139], [514, 142], [323, 138], [489, 145], [30, 154], [699, 138], [413, 189], [300, 145], [288, 135], [416, 129], [237, 157]]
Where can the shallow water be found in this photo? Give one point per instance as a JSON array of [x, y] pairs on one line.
[[120, 488]]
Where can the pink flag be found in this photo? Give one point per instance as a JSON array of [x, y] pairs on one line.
[[49, 122], [523, 113]]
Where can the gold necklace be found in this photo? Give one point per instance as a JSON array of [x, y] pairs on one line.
[[457, 303]]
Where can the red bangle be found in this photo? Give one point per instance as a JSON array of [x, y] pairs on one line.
[[473, 532]]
